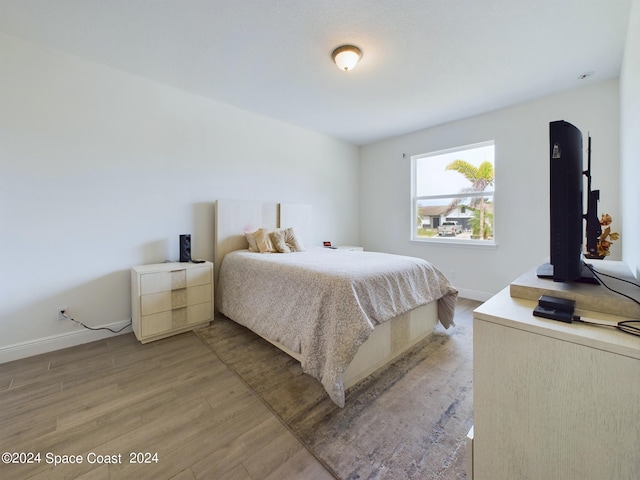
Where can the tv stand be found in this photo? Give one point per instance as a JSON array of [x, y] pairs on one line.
[[546, 271], [597, 298]]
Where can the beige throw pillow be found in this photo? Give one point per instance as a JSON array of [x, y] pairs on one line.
[[253, 246], [286, 241], [263, 241]]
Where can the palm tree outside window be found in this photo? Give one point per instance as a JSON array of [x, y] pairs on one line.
[[453, 194]]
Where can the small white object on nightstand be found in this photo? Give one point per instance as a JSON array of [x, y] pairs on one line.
[[349, 247]]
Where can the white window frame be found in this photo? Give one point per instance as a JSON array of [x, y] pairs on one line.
[[448, 241]]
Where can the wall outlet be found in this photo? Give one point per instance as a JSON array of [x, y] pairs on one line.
[[59, 315]]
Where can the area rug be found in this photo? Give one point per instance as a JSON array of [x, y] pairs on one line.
[[408, 420]]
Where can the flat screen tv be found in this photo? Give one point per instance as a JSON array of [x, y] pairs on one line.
[[566, 206]]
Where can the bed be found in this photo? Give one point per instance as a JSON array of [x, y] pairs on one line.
[[343, 314]]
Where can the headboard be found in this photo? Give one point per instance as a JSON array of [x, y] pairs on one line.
[[234, 217], [298, 216]]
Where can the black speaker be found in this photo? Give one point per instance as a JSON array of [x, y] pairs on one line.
[[185, 248]]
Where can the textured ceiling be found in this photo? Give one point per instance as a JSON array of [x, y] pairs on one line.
[[425, 62]]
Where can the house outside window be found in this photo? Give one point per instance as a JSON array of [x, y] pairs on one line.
[[453, 195]]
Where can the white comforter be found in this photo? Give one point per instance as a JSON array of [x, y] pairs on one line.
[[324, 303]]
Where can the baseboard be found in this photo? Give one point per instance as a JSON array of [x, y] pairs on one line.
[[58, 342], [474, 295], [71, 339]]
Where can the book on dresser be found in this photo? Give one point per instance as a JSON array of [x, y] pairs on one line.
[[170, 298]]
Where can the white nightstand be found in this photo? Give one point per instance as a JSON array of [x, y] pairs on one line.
[[170, 298], [349, 247]]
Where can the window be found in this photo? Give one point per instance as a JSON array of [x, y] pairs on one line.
[[452, 195]]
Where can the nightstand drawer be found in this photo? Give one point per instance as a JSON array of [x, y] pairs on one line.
[[172, 319], [171, 300], [199, 313], [155, 303], [156, 323], [159, 302], [198, 276], [199, 294], [163, 281]]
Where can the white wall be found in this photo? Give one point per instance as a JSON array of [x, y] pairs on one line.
[[630, 143], [101, 170], [521, 135]]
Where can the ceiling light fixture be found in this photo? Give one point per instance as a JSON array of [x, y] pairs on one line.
[[346, 57]]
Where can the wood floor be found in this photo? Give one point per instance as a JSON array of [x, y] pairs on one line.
[[111, 399]]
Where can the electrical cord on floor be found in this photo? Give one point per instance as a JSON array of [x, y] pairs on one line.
[[93, 328]]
